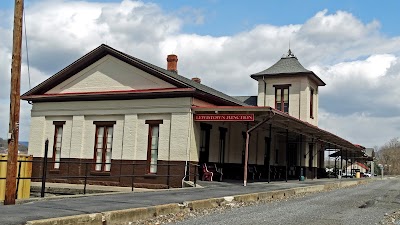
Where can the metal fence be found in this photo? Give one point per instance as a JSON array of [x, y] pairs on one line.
[[87, 174]]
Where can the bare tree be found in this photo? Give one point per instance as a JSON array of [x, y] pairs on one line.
[[389, 156]]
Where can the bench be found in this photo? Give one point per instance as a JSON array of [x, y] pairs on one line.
[[211, 172], [253, 172]]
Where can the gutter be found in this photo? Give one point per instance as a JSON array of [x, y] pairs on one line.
[[188, 144]]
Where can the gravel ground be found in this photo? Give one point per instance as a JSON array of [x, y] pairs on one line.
[[391, 219], [374, 203]]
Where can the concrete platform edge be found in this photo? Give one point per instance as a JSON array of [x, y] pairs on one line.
[[126, 216]]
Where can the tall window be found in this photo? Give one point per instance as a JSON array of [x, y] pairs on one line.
[[312, 103], [58, 132], [292, 157], [152, 147], [244, 137], [222, 135], [282, 97], [311, 156], [267, 151], [204, 142], [103, 145]]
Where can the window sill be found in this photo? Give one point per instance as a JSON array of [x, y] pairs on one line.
[[150, 176], [100, 173], [54, 171], [311, 117]]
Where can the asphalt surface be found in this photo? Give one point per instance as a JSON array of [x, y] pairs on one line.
[[363, 204], [20, 214]]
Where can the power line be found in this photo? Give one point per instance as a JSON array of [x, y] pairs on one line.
[[27, 52]]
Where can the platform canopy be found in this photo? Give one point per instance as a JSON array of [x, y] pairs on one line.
[[366, 154], [284, 122]]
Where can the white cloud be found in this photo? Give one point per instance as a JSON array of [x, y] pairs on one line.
[[361, 128], [359, 64], [340, 27], [365, 86]]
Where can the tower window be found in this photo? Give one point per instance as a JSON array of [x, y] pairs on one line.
[[282, 97], [312, 103]]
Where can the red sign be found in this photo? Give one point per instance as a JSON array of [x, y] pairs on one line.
[[224, 117]]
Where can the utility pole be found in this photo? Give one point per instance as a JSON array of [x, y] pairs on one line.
[[13, 131]]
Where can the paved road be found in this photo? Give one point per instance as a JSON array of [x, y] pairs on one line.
[[364, 204]]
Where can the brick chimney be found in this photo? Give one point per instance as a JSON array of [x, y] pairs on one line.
[[196, 79], [172, 63]]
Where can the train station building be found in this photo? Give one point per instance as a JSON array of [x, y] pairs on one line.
[[114, 119]]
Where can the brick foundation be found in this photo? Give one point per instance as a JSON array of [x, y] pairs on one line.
[[74, 170]]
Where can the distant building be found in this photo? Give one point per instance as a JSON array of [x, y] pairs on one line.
[[113, 110], [357, 166]]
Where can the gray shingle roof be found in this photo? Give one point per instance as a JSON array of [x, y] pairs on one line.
[[187, 81], [249, 100], [101, 51], [285, 65], [288, 65]]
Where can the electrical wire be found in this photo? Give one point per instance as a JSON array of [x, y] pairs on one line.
[[27, 52]]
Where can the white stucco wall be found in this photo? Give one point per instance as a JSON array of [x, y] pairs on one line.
[[37, 136], [66, 136], [89, 135], [194, 141], [299, 96], [130, 133], [129, 148], [234, 143], [142, 136]]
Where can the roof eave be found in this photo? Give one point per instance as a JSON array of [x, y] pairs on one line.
[[188, 92], [182, 92], [90, 58], [314, 76], [102, 51]]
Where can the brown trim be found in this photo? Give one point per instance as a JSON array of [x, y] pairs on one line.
[[54, 171], [154, 122], [36, 94], [150, 176], [281, 85], [187, 92], [311, 103], [59, 123], [282, 89], [104, 123], [310, 75], [205, 126], [89, 59], [100, 173], [130, 96]]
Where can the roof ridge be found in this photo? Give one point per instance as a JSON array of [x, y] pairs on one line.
[[184, 79], [106, 49]]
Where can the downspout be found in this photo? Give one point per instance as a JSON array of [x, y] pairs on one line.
[[256, 148], [169, 147], [265, 92], [122, 149], [188, 145], [70, 143], [246, 154]]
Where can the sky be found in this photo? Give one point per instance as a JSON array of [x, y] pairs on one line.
[[353, 46]]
